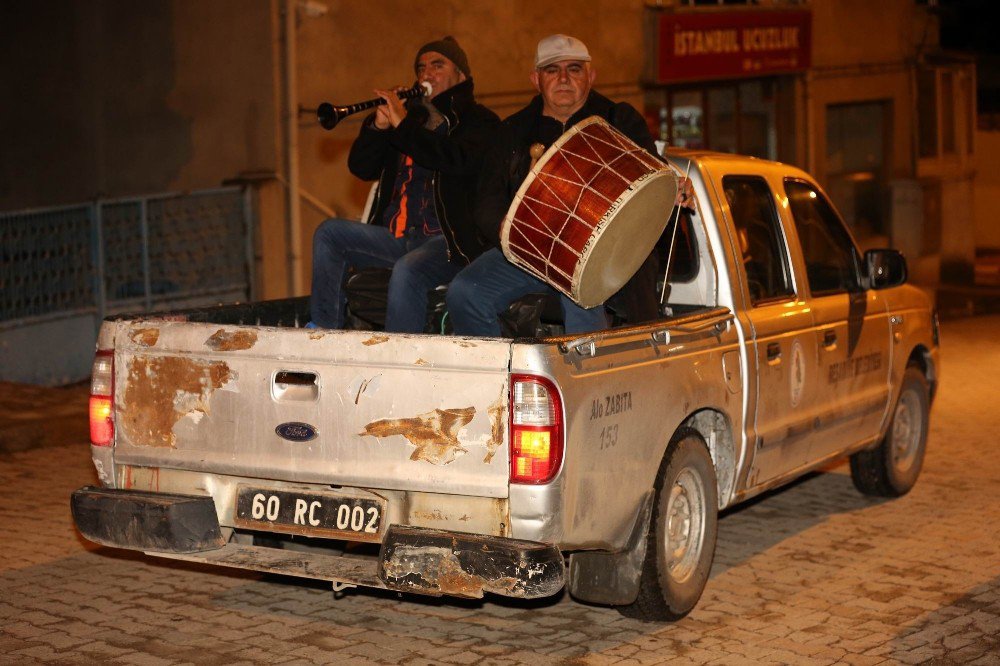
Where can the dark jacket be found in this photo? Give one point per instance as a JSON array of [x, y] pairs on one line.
[[508, 161], [455, 157], [507, 165]]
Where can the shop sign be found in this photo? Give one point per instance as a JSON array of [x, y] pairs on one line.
[[695, 46]]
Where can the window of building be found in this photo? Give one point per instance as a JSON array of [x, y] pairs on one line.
[[927, 115], [855, 167], [946, 110], [722, 121], [832, 263], [686, 120], [730, 117], [947, 83], [760, 237], [757, 127]]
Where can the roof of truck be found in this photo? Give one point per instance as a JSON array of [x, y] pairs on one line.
[[733, 162]]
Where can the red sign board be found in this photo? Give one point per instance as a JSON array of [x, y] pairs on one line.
[[696, 46]]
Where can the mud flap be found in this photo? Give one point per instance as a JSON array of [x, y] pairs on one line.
[[153, 522], [612, 578], [436, 562]]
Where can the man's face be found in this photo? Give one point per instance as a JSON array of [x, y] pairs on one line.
[[564, 85], [438, 71]]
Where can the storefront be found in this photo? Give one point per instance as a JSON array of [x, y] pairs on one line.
[[726, 80], [755, 82]]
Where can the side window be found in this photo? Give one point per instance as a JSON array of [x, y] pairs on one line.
[[684, 257], [761, 241], [832, 263]]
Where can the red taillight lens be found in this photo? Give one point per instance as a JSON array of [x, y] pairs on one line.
[[102, 383], [536, 439], [102, 429]]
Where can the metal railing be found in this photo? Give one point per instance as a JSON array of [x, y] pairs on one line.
[[63, 269], [127, 254]]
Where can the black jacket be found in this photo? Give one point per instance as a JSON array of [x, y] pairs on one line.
[[455, 157], [507, 163]]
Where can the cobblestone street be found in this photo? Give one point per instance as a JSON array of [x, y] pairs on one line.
[[814, 573]]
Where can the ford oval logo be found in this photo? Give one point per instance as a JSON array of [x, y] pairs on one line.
[[296, 432]]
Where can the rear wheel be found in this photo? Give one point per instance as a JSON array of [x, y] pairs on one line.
[[891, 469], [682, 532]]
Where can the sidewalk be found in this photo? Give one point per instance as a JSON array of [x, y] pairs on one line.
[[35, 416], [955, 301]]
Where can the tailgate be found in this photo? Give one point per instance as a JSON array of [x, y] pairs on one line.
[[354, 408]]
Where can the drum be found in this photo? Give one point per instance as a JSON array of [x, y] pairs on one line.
[[589, 212]]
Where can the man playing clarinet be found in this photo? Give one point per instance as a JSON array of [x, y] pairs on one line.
[[426, 156]]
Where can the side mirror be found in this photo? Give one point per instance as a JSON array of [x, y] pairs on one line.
[[885, 268]]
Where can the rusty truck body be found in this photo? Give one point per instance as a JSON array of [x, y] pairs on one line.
[[518, 466]]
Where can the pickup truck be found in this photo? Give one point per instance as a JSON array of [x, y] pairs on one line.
[[522, 465]]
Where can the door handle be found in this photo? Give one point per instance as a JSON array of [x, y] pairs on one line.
[[773, 353], [829, 338], [289, 385]]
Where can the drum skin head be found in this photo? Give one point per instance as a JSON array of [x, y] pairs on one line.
[[589, 212], [620, 246]]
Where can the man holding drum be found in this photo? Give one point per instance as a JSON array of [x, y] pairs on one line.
[[426, 156], [563, 76]]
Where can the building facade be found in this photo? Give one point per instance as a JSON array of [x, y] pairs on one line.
[[182, 94], [859, 94]]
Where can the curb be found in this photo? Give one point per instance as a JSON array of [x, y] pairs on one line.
[[954, 302]]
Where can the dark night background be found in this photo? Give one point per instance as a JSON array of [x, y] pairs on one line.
[[966, 27]]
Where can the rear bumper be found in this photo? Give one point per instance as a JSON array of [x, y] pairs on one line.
[[412, 559], [158, 522], [415, 559]]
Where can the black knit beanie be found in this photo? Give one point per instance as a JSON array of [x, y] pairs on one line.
[[450, 49]]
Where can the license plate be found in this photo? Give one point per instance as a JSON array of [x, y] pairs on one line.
[[309, 513]]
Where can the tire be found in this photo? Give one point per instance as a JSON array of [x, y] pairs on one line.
[[681, 541], [891, 468]]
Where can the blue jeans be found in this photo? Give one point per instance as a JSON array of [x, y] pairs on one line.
[[419, 263], [484, 289]]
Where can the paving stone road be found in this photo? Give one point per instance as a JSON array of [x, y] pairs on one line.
[[811, 574]]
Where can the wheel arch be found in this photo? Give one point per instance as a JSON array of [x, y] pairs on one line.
[[920, 357], [716, 429]]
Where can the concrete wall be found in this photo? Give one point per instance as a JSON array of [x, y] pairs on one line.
[[116, 97], [852, 32]]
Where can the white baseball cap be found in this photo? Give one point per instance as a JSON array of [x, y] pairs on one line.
[[555, 48]]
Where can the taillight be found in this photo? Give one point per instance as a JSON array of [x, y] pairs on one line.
[[536, 437], [102, 387]]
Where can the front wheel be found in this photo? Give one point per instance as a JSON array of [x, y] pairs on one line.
[[682, 532], [891, 469]]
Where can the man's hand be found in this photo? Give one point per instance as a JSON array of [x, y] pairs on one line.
[[392, 112], [685, 193]]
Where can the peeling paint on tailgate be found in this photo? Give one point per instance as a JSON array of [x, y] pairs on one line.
[[184, 406], [146, 337], [498, 413], [435, 434], [223, 340], [163, 390]]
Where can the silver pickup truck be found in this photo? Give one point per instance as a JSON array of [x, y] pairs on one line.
[[446, 465]]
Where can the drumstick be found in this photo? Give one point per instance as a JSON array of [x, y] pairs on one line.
[[535, 151], [673, 236]]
